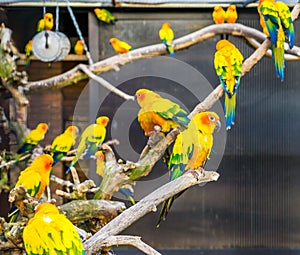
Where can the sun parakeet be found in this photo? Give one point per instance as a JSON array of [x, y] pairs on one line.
[[63, 143], [231, 15], [166, 34], [46, 23], [218, 15], [34, 178], [28, 52], [91, 138], [156, 110], [276, 21], [120, 46], [191, 150], [33, 138], [105, 16], [50, 232], [100, 162], [79, 48], [228, 64]]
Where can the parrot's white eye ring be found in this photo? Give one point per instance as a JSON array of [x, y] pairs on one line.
[[212, 118]]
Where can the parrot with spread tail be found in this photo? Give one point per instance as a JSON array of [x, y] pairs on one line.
[[35, 178], [119, 46], [228, 64], [63, 143], [33, 138], [166, 34], [46, 23], [276, 22], [92, 137], [191, 150], [156, 110], [50, 232], [79, 48], [105, 16], [28, 52]]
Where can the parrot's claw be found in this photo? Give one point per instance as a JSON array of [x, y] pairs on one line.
[[196, 174]]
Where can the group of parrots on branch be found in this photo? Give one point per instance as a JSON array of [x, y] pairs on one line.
[[50, 232]]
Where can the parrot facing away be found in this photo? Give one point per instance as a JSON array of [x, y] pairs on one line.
[[33, 138], [228, 64], [105, 16], [92, 137], [28, 52], [156, 110], [79, 48], [49, 232], [276, 21], [35, 178], [166, 34], [46, 23], [191, 150], [63, 143], [120, 46]]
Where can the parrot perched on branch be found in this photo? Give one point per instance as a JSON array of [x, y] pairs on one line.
[[46, 23], [218, 15], [156, 110], [191, 150], [51, 233], [79, 48], [276, 21], [28, 52], [228, 64], [166, 34], [105, 16], [33, 138], [231, 15], [120, 46], [35, 178], [63, 143], [92, 137]]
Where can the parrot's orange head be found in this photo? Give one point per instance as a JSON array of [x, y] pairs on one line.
[[141, 94], [166, 25], [45, 162], [102, 120], [72, 130], [79, 42], [43, 127], [46, 208], [97, 11], [209, 121], [218, 8], [113, 41], [99, 155], [221, 44], [48, 17], [232, 8]]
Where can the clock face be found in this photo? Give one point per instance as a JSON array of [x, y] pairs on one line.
[[65, 46]]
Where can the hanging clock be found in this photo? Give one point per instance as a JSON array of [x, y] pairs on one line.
[[65, 46]]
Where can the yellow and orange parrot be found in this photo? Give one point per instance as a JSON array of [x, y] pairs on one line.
[[166, 34], [46, 23], [33, 138], [120, 46], [156, 110], [28, 52], [231, 15], [228, 64], [35, 178], [63, 143], [100, 162], [276, 21], [49, 232], [191, 150], [79, 48], [105, 16], [218, 15], [91, 138]]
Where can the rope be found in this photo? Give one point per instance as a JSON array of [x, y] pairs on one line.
[[44, 8], [79, 33], [57, 17]]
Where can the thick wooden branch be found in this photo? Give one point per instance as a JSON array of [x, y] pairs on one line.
[[129, 241], [146, 205]]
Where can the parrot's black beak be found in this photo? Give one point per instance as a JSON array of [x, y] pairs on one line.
[[218, 126]]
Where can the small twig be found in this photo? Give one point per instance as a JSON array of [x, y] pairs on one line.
[[12, 162], [129, 241], [61, 181], [75, 176], [105, 83]]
